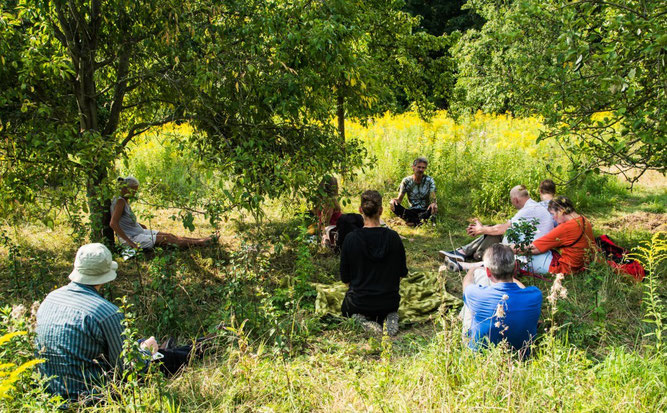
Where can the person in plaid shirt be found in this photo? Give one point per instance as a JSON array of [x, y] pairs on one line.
[[420, 189]]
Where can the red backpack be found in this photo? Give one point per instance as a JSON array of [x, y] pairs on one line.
[[617, 258]]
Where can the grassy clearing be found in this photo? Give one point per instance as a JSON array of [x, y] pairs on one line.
[[276, 356]]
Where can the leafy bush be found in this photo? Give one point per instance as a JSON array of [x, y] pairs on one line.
[[164, 165]]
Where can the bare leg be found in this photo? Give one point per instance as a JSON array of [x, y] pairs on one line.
[[205, 240], [191, 239], [471, 265], [164, 238]]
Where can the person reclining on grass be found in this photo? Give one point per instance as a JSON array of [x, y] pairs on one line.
[[136, 235], [80, 334], [497, 306], [420, 189], [573, 237], [493, 234], [372, 263], [547, 193]]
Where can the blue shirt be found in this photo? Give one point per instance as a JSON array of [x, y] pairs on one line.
[[79, 333], [518, 324]]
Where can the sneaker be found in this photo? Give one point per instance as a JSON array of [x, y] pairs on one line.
[[368, 325], [452, 265], [392, 323], [457, 256]]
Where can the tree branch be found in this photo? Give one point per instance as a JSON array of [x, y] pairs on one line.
[[119, 93], [140, 128]]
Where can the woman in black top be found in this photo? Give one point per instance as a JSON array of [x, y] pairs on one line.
[[372, 263]]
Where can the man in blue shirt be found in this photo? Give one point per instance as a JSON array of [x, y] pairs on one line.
[[79, 333], [497, 306]]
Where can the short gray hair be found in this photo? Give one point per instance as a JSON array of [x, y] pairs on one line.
[[519, 191], [129, 180], [421, 159], [499, 259]]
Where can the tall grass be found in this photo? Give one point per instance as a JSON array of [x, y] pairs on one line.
[[274, 355], [474, 163], [441, 376]]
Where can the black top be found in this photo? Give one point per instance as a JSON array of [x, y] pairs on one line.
[[372, 260]]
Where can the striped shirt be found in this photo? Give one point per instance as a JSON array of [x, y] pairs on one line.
[[79, 334]]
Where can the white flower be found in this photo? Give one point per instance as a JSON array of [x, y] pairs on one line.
[[18, 311], [500, 311], [557, 290]]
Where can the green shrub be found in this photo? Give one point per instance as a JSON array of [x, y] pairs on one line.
[[21, 386]]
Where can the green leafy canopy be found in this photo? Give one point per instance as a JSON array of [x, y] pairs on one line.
[[594, 70], [260, 81]]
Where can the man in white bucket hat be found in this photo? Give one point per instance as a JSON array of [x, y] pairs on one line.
[[79, 333]]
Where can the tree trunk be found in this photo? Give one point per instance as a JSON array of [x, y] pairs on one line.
[[99, 208], [340, 111], [79, 32]]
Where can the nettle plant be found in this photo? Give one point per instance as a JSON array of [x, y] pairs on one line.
[[521, 234]]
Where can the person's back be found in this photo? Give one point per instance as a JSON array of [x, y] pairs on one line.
[[79, 335], [503, 311], [373, 262]]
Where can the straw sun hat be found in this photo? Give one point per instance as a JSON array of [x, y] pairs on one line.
[[93, 265]]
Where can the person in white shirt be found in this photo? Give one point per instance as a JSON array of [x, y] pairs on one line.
[[488, 235]]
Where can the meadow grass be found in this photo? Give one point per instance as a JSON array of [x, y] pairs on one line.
[[593, 352]]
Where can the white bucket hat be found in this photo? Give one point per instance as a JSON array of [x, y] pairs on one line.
[[93, 265]]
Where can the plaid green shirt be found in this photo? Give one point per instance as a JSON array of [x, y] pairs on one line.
[[79, 333]]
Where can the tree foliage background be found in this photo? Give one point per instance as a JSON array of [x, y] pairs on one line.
[[259, 80], [262, 82], [594, 70]]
